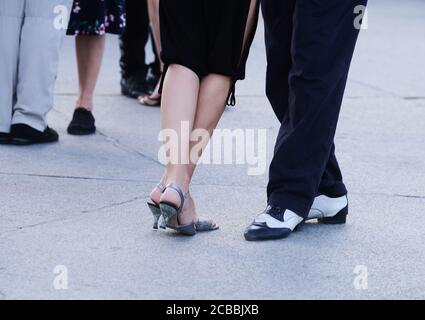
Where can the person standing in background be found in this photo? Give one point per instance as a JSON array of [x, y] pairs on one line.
[[90, 21], [137, 77], [31, 34]]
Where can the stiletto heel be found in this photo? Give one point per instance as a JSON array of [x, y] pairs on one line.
[[155, 209], [170, 213]]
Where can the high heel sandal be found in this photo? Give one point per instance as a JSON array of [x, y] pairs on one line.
[[155, 209], [170, 214]]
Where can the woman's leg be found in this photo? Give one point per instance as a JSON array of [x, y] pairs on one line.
[[90, 51], [214, 91], [213, 94], [179, 102]]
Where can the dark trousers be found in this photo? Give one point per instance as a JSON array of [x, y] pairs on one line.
[[310, 44], [134, 40]]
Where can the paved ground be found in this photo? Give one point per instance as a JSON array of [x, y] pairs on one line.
[[81, 203]]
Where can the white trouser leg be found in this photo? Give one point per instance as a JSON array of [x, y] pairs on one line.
[[41, 39], [11, 19]]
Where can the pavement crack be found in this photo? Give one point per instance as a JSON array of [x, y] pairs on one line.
[[117, 143], [68, 177], [376, 88], [80, 214], [408, 196], [413, 98], [29, 226], [116, 204]]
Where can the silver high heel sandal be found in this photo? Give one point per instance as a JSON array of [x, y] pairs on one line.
[[170, 214], [155, 209]]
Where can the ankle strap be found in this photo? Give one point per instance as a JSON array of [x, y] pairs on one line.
[[160, 187], [183, 196]]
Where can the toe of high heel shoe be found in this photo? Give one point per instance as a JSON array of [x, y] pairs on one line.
[[206, 225]]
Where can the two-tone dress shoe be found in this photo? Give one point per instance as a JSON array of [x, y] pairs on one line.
[[273, 223], [329, 210]]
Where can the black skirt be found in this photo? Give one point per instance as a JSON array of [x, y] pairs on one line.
[[207, 36]]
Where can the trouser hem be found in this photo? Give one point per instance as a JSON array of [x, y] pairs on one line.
[[334, 191], [37, 125]]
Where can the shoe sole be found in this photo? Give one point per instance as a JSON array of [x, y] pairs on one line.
[[4, 141], [80, 132], [24, 142]]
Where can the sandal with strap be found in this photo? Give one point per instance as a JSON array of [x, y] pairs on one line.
[[170, 213], [206, 226]]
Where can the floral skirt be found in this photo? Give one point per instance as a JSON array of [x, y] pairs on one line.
[[97, 17]]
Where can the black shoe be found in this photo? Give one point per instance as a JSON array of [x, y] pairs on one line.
[[329, 210], [273, 223], [83, 123], [4, 138], [135, 86], [22, 134]]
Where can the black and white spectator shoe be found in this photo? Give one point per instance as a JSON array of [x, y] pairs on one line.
[[329, 210], [273, 223]]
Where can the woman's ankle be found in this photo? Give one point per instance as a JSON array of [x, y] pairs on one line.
[[180, 177], [84, 103]]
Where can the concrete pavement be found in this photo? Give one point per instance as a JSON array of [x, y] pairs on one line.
[[81, 203]]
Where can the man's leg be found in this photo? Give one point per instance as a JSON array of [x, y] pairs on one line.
[[134, 39], [38, 62], [11, 17], [323, 42], [331, 183], [278, 19]]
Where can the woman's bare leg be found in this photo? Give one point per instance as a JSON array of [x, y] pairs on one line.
[[211, 105], [178, 109], [213, 93], [90, 51]]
